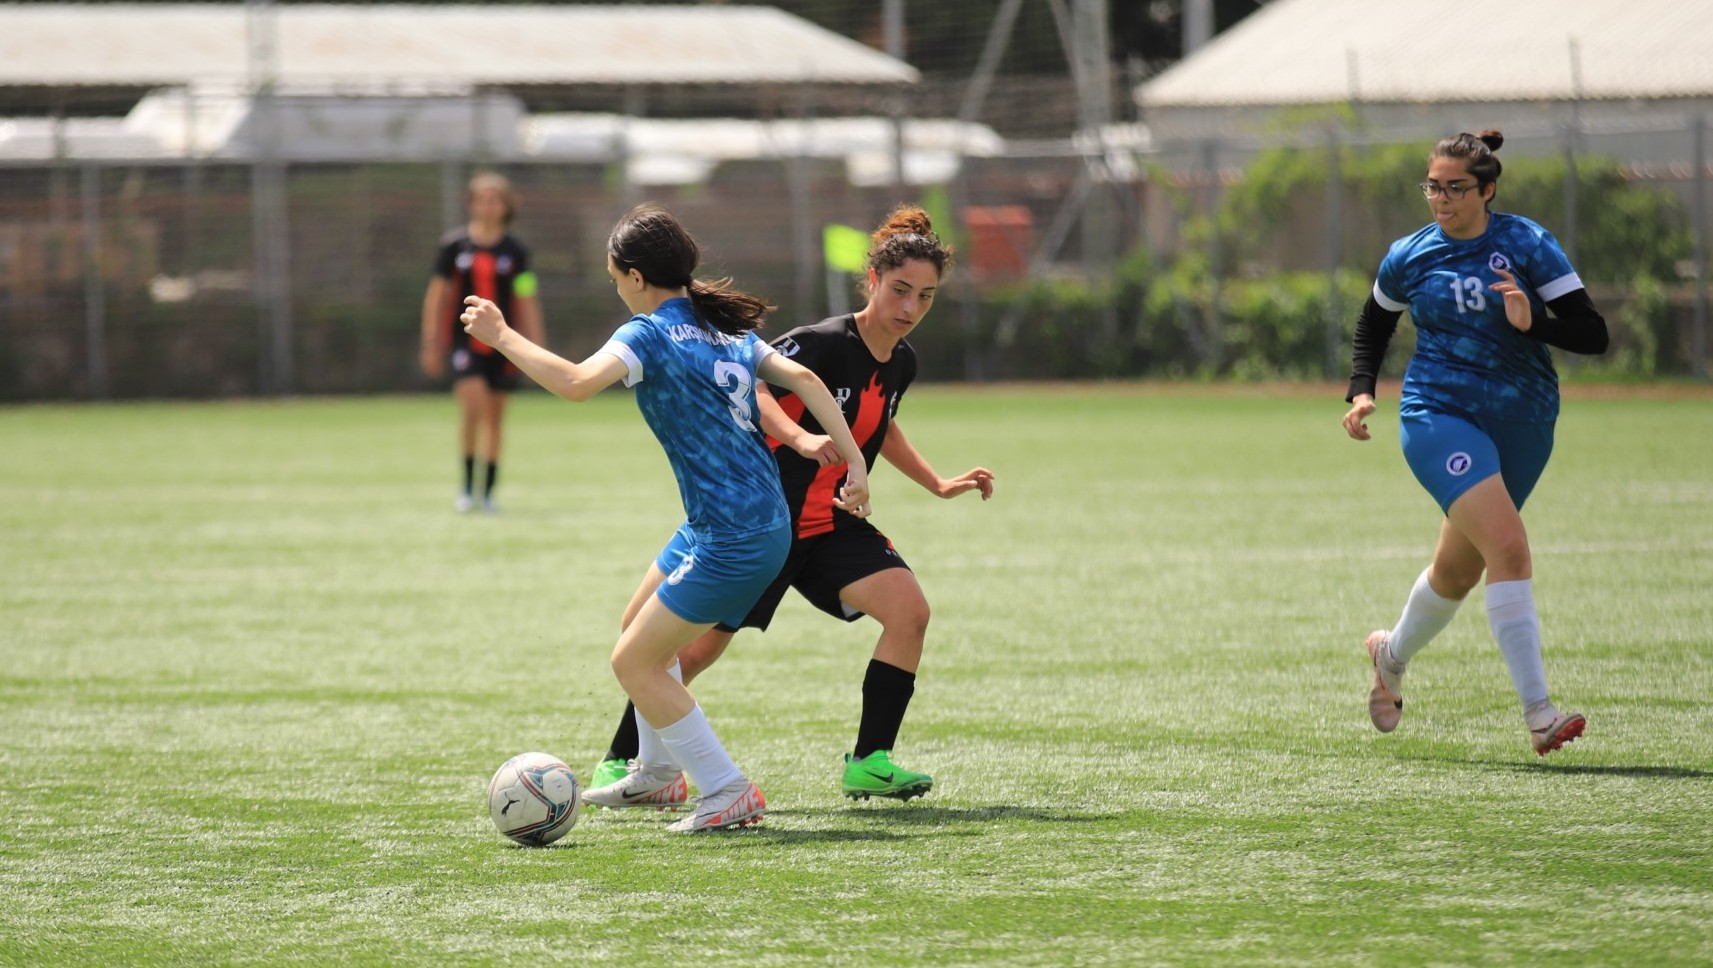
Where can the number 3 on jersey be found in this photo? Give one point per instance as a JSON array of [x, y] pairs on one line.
[[734, 379], [1470, 294]]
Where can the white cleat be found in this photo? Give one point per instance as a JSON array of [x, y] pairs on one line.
[[737, 804], [1555, 729], [463, 503], [1386, 697], [642, 788]]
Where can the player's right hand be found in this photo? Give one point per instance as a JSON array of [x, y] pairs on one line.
[[818, 448], [433, 362], [482, 319], [1360, 407]]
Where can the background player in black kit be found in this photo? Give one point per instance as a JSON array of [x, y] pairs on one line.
[[480, 259], [842, 564]]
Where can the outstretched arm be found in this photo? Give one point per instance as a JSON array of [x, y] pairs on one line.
[[899, 452], [801, 380], [573, 381], [779, 425]]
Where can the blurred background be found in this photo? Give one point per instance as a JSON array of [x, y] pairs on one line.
[[209, 200]]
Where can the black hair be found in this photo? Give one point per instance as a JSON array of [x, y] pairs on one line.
[[650, 240], [1477, 153]]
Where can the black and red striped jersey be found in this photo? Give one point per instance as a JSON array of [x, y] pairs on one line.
[[868, 392], [488, 271]]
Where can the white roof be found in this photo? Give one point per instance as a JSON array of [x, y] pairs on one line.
[[380, 46], [1325, 51]]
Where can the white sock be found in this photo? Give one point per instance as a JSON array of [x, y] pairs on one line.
[[651, 754], [1426, 614], [694, 744], [1517, 627]]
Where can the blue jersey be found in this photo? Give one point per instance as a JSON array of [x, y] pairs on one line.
[[1469, 360], [696, 390]]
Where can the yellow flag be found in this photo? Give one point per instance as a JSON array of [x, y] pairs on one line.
[[845, 248]]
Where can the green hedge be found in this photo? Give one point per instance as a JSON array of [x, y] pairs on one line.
[[1174, 319]]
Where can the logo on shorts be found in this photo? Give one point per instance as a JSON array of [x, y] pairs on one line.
[[1498, 261], [1458, 464], [787, 346], [461, 360], [683, 569]]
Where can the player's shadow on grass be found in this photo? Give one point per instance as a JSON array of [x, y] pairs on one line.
[[1584, 769], [897, 822]]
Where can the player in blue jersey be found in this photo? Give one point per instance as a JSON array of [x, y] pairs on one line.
[[1488, 292], [838, 562], [691, 353]]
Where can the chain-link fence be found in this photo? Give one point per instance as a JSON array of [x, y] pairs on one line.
[[197, 275]]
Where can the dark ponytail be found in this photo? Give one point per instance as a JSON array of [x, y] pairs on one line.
[[650, 240]]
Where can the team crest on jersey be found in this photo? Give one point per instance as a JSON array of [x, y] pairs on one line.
[[464, 261], [787, 347], [503, 265], [841, 395], [1498, 262]]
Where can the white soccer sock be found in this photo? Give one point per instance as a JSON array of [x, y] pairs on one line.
[[651, 754], [1517, 627], [694, 744], [1426, 614]]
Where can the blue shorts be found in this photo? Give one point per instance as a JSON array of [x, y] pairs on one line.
[[1449, 455], [717, 580]]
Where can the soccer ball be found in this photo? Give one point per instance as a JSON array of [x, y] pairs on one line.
[[533, 799]]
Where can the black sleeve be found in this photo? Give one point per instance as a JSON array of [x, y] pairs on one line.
[[1574, 325], [1374, 329]]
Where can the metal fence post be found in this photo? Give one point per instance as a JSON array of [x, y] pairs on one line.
[[1698, 342], [94, 291], [1334, 251]]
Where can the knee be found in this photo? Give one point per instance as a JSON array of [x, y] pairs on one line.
[[908, 618], [1508, 554]]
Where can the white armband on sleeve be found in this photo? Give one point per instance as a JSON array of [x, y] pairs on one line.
[[1387, 302], [1560, 286], [633, 366]]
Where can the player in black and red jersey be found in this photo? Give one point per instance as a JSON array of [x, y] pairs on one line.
[[841, 563], [481, 259]]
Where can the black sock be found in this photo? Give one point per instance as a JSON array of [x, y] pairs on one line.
[[886, 692], [469, 473], [624, 738], [493, 472]]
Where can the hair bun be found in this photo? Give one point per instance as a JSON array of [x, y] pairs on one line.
[[907, 220], [1491, 138]]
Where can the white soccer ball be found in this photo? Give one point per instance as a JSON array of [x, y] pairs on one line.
[[533, 799]]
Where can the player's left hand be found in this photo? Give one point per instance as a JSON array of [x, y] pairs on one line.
[[853, 496], [1517, 310], [482, 319], [975, 479]]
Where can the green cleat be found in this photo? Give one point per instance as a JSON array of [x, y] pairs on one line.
[[875, 776], [608, 772]]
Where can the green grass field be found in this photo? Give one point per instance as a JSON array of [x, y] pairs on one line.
[[255, 673]]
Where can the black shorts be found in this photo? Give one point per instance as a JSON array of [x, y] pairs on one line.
[[819, 567], [498, 372]]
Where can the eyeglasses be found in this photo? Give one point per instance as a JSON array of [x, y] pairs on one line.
[[1453, 192]]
